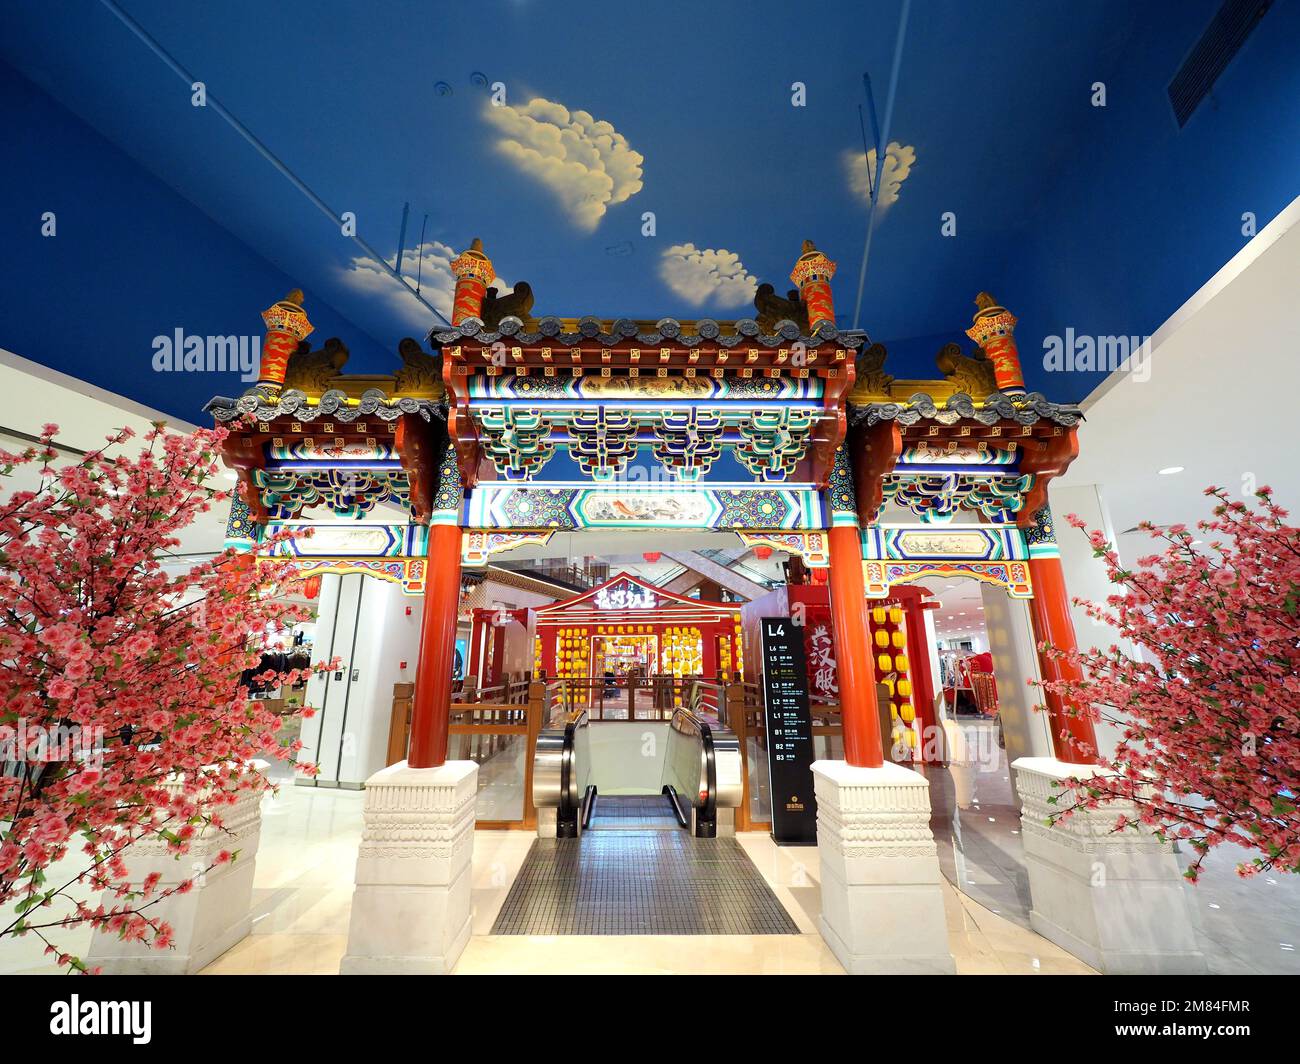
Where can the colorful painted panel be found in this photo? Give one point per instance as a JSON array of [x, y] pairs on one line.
[[571, 506], [351, 540], [1041, 535], [812, 547], [951, 454], [241, 529], [941, 542], [649, 388], [329, 452], [348, 493], [938, 496], [478, 545], [1012, 576], [408, 572]]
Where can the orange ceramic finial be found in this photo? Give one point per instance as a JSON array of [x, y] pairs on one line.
[[474, 272], [812, 275], [286, 327], [994, 330]]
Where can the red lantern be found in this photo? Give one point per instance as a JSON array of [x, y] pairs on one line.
[[820, 576], [762, 553], [652, 556], [311, 587]]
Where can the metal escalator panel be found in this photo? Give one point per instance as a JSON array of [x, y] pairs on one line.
[[562, 772], [703, 770], [634, 812], [700, 775]]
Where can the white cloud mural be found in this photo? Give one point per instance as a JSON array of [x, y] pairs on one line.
[[432, 261], [861, 170], [586, 163], [707, 275]]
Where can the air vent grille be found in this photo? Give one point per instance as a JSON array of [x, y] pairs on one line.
[[1210, 56]]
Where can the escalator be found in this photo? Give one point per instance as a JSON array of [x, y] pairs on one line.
[[635, 812], [697, 774], [640, 835]]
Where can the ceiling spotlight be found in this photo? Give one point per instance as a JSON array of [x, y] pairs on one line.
[[1170, 470]]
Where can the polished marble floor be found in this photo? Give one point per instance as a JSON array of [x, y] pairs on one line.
[[1245, 926], [303, 893]]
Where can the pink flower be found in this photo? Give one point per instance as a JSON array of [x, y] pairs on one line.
[[61, 690]]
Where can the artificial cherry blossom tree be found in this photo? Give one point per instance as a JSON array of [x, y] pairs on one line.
[[1209, 712], [118, 676]]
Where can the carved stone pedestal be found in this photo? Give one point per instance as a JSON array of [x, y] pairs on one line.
[[1114, 900], [882, 901], [209, 919], [411, 909]]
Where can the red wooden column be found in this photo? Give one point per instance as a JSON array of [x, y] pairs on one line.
[[497, 666], [429, 710], [709, 651], [918, 654], [477, 625], [1049, 612], [853, 654]]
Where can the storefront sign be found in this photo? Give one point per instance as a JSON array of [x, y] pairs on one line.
[[789, 733]]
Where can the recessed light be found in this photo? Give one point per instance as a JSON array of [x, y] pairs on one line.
[[1170, 470]]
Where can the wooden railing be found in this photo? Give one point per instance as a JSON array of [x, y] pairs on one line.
[[745, 716], [486, 729], [637, 699], [485, 732], [513, 692]]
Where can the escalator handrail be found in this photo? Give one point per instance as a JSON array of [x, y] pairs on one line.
[[708, 809], [568, 803]]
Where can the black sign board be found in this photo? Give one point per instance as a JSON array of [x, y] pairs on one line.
[[789, 733]]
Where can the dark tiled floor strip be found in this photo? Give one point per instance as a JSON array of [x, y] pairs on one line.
[[633, 811], [640, 882]]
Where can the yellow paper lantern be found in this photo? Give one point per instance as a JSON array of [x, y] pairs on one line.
[[882, 638], [900, 662], [900, 639], [896, 614], [884, 661], [878, 614], [908, 713], [905, 688]]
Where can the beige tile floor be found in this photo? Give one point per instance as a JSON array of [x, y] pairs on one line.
[[303, 894]]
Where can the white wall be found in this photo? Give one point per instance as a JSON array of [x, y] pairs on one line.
[[1085, 575], [363, 622], [1027, 733]]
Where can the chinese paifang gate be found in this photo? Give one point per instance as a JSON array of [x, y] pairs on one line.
[[505, 428]]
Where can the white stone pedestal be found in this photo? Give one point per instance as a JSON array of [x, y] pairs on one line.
[[411, 908], [882, 900], [209, 919], [1114, 900]]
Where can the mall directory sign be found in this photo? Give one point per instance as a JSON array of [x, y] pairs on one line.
[[789, 733]]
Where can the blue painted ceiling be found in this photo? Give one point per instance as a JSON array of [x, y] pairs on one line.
[[1102, 220]]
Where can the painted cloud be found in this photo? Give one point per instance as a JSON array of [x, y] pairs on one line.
[[899, 159], [586, 163], [703, 275], [432, 261]]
